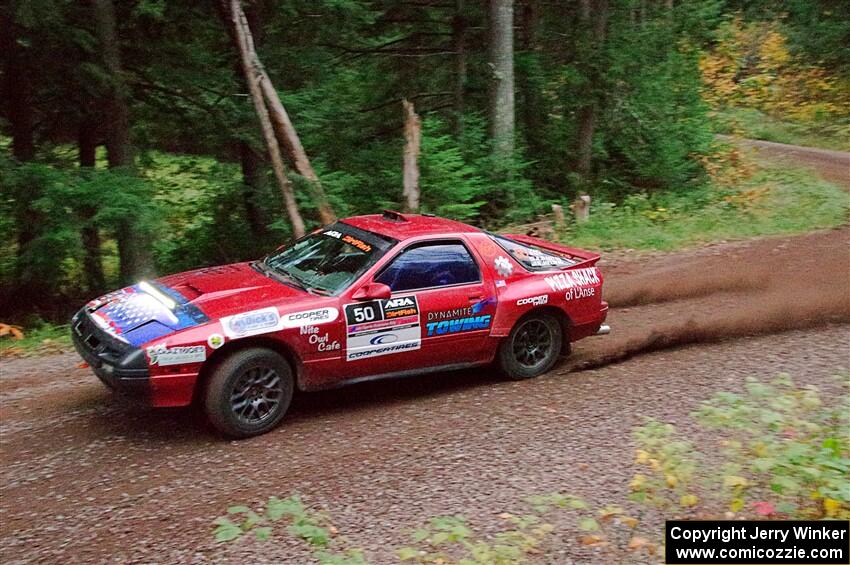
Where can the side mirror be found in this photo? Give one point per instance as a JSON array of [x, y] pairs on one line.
[[373, 291]]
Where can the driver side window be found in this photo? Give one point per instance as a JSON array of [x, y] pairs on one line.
[[430, 265]]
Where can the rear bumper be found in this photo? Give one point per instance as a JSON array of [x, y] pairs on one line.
[[595, 327], [120, 366]]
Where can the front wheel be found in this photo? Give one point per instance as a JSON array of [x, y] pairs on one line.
[[532, 347], [249, 392]]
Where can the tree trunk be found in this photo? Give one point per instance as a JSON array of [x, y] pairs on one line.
[[584, 147], [501, 60], [459, 25], [285, 132], [530, 108], [90, 234], [412, 140], [118, 148], [595, 14], [134, 251], [17, 92], [250, 162], [253, 78]]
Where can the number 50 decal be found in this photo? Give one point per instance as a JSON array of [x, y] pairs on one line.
[[364, 313]]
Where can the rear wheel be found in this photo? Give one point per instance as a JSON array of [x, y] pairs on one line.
[[532, 347], [249, 392]]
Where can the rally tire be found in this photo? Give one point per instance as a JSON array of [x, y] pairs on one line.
[[532, 347], [248, 393]]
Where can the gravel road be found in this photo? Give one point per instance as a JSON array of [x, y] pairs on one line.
[[86, 478], [832, 165]]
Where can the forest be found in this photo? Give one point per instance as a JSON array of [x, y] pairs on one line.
[[130, 143]]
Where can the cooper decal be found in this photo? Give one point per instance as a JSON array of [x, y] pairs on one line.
[[533, 300], [382, 327], [574, 278], [310, 317], [164, 356], [215, 341]]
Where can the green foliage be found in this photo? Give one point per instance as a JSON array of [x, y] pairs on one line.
[[39, 338], [782, 443], [305, 524], [773, 201], [754, 124], [342, 67], [785, 454], [450, 539]]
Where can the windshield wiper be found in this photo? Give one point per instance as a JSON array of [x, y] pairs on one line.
[[282, 276]]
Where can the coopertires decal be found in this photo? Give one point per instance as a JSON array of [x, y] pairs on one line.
[[382, 327]]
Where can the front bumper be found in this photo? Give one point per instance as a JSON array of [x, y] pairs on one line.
[[119, 365]]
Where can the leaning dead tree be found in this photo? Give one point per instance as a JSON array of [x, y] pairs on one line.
[[252, 77], [412, 141], [292, 144], [276, 126]]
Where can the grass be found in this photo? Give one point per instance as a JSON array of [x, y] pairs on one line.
[[773, 201], [833, 134], [40, 337]]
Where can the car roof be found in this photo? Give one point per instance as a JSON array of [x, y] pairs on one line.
[[404, 226]]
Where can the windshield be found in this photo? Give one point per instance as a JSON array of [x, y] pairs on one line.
[[327, 261]]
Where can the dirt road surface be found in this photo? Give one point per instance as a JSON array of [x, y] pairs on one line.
[[86, 478], [832, 165]]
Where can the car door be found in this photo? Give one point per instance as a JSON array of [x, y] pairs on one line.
[[443, 281]]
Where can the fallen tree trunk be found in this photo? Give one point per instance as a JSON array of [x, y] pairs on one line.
[[412, 141], [253, 78], [292, 144]]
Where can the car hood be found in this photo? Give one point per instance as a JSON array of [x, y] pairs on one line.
[[147, 311]]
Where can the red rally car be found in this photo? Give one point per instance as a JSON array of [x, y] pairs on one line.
[[364, 298]]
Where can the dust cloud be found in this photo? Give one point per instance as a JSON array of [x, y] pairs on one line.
[[805, 284]]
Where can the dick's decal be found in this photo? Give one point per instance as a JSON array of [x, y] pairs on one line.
[[164, 356], [382, 327]]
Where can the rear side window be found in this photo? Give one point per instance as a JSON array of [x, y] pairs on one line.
[[533, 258], [430, 265]]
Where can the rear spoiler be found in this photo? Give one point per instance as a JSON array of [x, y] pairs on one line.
[[584, 258]]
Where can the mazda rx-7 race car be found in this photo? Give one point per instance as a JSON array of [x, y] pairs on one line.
[[366, 297]]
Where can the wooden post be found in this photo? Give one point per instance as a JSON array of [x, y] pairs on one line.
[[412, 142], [253, 78], [581, 208], [558, 215]]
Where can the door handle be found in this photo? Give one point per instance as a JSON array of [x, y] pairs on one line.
[[475, 297]]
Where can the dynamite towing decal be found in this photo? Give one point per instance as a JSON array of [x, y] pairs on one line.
[[382, 327], [460, 319]]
